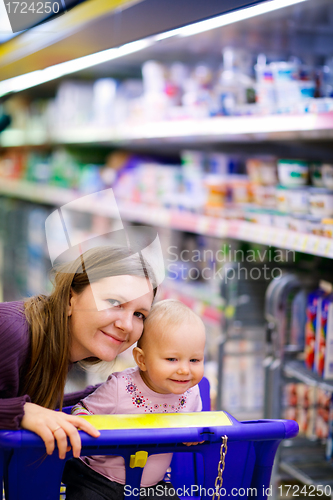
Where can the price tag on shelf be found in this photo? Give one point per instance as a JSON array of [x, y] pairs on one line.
[[234, 228], [312, 244], [330, 249], [287, 239], [276, 236], [222, 228], [266, 234], [282, 241], [255, 233], [245, 230], [295, 241], [203, 224], [153, 216], [303, 241], [322, 247], [184, 220], [164, 217]]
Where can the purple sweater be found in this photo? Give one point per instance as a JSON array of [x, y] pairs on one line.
[[14, 350]]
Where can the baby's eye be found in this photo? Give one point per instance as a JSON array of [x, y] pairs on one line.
[[194, 360], [113, 302], [140, 315], [171, 359]]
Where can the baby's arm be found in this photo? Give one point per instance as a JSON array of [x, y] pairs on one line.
[[102, 401], [80, 409]]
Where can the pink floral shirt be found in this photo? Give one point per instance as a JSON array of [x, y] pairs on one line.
[[125, 392]]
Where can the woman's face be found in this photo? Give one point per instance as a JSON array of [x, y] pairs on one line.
[[107, 317]]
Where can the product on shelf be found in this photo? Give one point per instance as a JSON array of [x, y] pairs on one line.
[[310, 406], [262, 170], [298, 319], [316, 174], [315, 225], [298, 223], [243, 376], [322, 417], [202, 183], [293, 173], [282, 199], [313, 313], [327, 228], [321, 202], [323, 363], [329, 444], [298, 200], [327, 175]]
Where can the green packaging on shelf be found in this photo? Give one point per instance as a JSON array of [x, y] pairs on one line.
[[65, 170], [293, 173], [38, 168]]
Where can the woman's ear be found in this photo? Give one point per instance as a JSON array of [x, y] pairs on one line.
[[139, 358], [70, 304]]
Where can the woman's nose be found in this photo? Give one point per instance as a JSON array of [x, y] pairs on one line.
[[124, 321]]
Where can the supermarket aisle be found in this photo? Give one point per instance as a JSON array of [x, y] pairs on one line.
[[221, 143]]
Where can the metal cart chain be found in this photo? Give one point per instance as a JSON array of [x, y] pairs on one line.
[[220, 468]]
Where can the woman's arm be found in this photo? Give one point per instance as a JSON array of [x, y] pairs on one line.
[[12, 412], [17, 411]]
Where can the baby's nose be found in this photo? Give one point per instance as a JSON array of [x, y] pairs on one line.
[[183, 368]]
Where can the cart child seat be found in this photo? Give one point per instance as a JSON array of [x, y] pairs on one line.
[[246, 453]]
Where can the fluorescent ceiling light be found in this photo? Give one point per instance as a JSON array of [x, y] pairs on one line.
[[28, 80], [229, 18]]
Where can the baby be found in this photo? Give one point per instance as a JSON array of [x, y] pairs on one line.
[[170, 364]]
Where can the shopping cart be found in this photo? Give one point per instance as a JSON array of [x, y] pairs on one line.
[[235, 459]]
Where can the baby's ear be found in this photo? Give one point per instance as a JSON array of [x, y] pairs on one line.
[[139, 358]]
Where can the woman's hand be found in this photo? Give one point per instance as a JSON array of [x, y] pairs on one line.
[[51, 425]]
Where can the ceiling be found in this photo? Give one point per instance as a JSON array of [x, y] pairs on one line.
[[96, 25], [304, 30]]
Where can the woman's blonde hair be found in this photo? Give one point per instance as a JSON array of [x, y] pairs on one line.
[[166, 313], [49, 355]]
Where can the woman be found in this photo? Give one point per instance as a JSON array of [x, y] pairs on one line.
[[95, 312]]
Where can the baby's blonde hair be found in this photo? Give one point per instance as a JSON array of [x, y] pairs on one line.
[[168, 312]]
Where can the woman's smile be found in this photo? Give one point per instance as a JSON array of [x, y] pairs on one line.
[[114, 338]]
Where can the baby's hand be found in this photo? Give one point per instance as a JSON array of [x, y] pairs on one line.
[[190, 444]]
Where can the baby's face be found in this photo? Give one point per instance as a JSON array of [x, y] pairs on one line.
[[175, 359]]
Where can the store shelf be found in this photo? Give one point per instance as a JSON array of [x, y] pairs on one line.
[[228, 128], [305, 461], [297, 370], [198, 297], [176, 219]]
